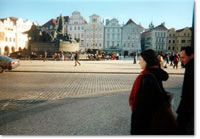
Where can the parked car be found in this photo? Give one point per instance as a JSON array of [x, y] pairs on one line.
[[8, 63]]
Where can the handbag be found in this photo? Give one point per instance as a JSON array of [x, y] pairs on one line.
[[164, 121]]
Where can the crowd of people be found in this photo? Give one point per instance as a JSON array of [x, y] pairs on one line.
[[172, 59]]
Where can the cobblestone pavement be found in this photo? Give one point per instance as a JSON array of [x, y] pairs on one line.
[[69, 103], [24, 89]]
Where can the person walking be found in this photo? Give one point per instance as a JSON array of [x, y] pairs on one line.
[[150, 103], [176, 60], [76, 57], [185, 109], [45, 56], [134, 57]]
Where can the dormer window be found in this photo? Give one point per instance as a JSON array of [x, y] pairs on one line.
[[94, 20]]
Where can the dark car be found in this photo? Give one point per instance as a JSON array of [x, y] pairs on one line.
[[8, 63]]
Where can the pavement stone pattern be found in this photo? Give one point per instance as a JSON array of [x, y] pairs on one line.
[[20, 89]]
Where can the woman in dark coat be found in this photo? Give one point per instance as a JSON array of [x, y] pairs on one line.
[[150, 103]]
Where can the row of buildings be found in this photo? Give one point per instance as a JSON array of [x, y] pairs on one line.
[[95, 34], [12, 37]]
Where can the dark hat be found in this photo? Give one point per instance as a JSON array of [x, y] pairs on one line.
[[150, 57]]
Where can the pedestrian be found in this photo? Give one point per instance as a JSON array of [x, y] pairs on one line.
[[161, 61], [176, 60], [134, 57], [185, 109], [150, 103], [76, 57], [45, 56], [62, 56], [166, 60], [171, 58]]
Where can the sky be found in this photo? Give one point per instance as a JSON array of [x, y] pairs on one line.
[[175, 13]]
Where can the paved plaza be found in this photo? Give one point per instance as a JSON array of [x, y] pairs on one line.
[[56, 98], [107, 66]]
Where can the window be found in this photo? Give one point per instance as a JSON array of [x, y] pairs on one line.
[[75, 28], [169, 41], [94, 20], [173, 41], [108, 36], [113, 36], [182, 41], [81, 42], [107, 43], [78, 28]]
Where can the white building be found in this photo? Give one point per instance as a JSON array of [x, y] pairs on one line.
[[131, 38], [113, 36], [156, 38], [94, 33], [12, 37], [76, 28]]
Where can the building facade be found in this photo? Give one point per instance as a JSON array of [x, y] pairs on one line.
[[76, 28], [183, 38], [156, 38], [171, 40], [113, 36], [50, 27], [95, 33], [12, 36], [131, 38]]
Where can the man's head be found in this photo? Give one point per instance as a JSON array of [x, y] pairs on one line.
[[186, 54]]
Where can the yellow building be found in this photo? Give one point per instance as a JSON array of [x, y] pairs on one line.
[[183, 38], [171, 39], [176, 39], [12, 37]]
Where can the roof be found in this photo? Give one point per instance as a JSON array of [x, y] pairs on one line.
[[129, 22], [50, 22], [161, 27], [183, 29], [14, 19]]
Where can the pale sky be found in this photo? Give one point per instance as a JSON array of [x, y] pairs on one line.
[[175, 13]]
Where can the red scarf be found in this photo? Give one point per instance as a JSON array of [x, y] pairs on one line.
[[135, 88]]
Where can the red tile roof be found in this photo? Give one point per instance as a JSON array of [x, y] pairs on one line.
[[50, 22]]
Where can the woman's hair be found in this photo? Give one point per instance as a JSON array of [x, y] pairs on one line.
[[150, 58]]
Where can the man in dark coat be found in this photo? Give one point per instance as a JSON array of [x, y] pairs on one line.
[[76, 57], [185, 110]]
